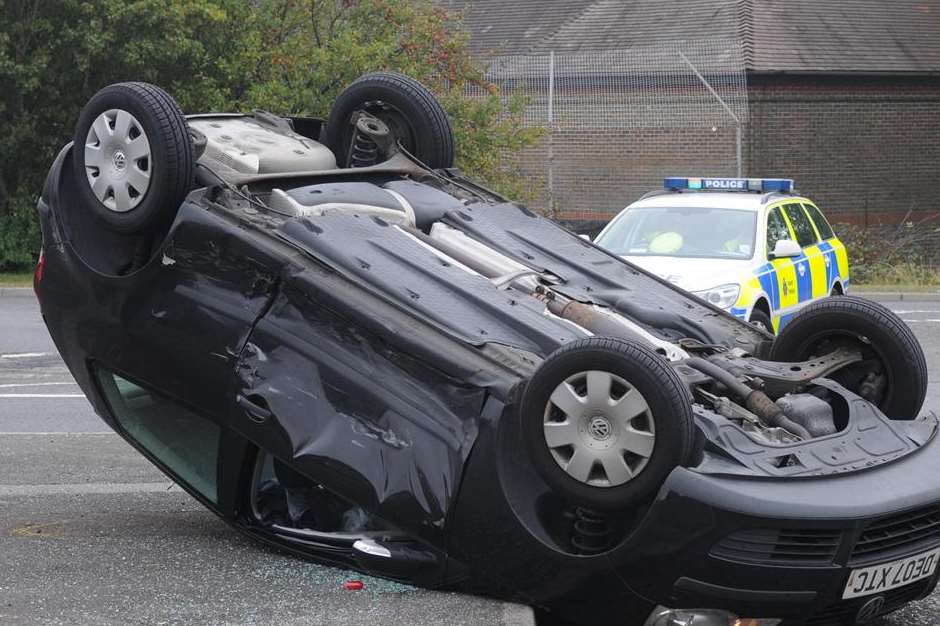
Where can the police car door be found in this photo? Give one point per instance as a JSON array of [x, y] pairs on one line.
[[835, 262], [778, 277], [809, 269]]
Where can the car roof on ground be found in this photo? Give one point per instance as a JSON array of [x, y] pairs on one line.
[[713, 199]]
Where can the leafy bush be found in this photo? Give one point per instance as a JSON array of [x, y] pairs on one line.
[[19, 234], [286, 56], [903, 274], [892, 255]]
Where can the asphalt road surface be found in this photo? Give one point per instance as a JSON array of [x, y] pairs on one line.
[[91, 533]]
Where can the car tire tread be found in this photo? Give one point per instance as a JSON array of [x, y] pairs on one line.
[[844, 309], [172, 155], [439, 133]]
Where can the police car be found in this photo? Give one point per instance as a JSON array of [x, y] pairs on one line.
[[751, 246]]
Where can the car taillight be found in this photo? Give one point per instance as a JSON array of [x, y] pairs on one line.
[[40, 270]]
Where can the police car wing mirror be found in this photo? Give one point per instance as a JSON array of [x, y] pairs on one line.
[[786, 248]]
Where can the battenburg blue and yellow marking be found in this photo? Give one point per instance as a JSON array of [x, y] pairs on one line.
[[788, 283]]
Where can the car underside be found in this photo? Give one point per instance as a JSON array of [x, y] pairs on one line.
[[347, 349]]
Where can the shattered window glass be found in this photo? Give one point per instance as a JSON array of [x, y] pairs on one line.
[[186, 443], [284, 498]]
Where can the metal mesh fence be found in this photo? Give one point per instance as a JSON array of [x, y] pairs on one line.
[[617, 121]]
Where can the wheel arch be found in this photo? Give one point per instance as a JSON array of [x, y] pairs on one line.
[[761, 302]]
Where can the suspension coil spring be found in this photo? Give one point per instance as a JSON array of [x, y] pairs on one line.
[[364, 152], [591, 533]]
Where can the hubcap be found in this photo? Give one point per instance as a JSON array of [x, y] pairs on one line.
[[117, 160], [599, 428]]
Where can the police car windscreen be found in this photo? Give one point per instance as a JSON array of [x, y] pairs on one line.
[[682, 232]]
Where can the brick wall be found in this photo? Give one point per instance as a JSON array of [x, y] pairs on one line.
[[866, 149], [596, 174]]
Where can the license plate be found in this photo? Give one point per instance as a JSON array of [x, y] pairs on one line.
[[878, 578]]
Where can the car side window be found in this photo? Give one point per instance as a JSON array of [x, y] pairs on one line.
[[805, 235], [186, 443], [822, 225], [776, 229]]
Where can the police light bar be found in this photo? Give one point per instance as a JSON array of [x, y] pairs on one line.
[[730, 184]]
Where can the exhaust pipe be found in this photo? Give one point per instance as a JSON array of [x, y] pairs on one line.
[[591, 319], [756, 401]]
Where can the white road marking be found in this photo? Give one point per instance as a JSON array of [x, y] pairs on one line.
[[24, 355], [930, 321], [8, 385], [87, 488], [917, 311], [56, 433], [42, 395], [519, 614]]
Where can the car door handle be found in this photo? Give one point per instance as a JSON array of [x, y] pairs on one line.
[[255, 406]]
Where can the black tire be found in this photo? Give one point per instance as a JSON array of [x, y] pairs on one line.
[[760, 319], [667, 399], [886, 341], [170, 160], [406, 106]]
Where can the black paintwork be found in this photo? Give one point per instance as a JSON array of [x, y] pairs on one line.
[[359, 359]]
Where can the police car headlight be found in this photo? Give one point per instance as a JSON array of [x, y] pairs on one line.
[[723, 296]]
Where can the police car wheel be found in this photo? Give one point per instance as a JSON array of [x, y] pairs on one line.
[[893, 372], [761, 320], [605, 421]]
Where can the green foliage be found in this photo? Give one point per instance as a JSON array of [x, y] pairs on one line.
[[906, 274], [286, 56], [902, 263], [19, 234], [485, 135]]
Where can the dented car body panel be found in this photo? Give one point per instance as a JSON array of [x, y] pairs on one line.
[[344, 348]]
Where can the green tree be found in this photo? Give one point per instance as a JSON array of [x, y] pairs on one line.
[[286, 56], [303, 54], [54, 54]]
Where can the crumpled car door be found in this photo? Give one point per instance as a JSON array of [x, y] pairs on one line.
[[371, 424]]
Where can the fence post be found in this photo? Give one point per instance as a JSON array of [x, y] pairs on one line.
[[551, 133], [711, 90], [607, 101]]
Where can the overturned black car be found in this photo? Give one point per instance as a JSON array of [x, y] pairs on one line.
[[343, 347]]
